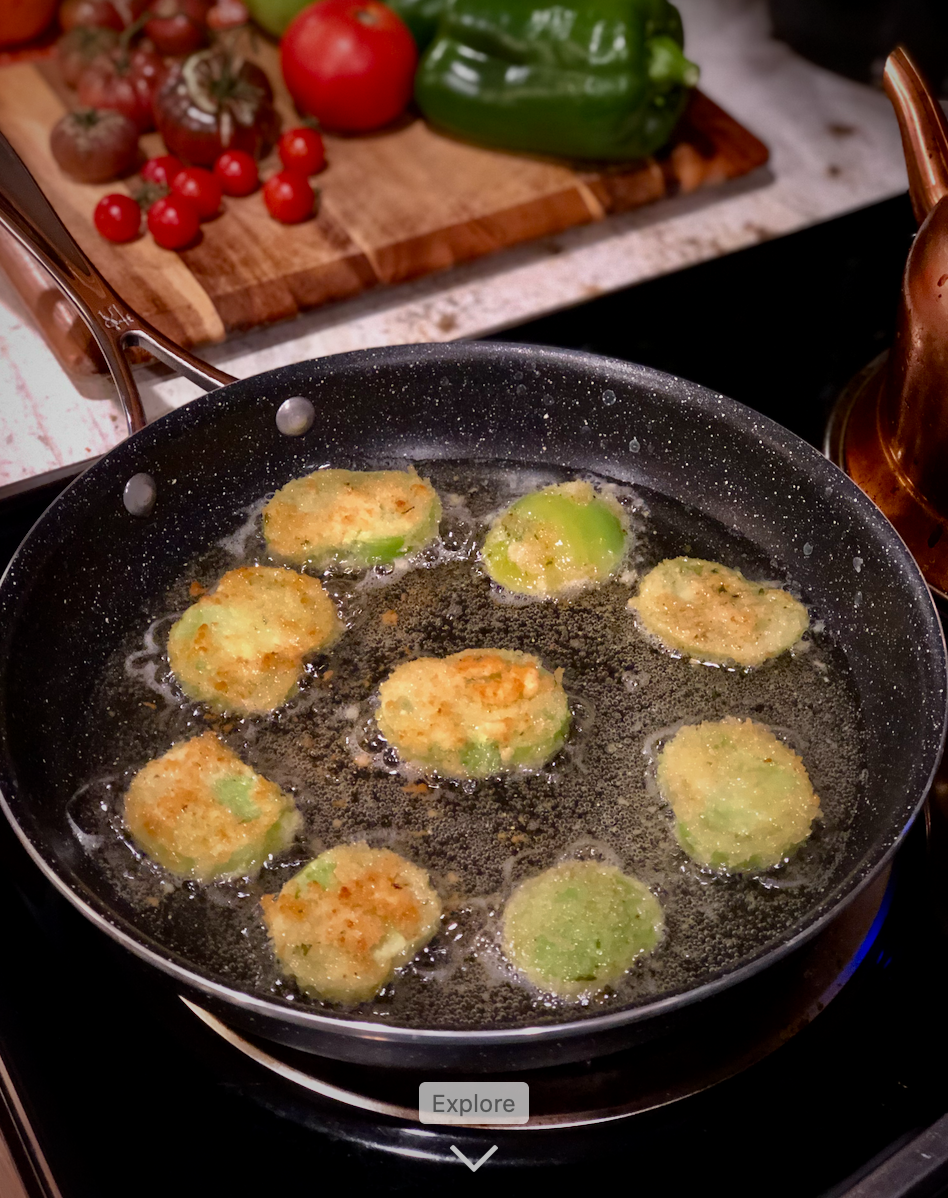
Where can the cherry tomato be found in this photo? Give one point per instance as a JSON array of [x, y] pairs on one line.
[[350, 63], [117, 217], [236, 171], [162, 170], [200, 187], [289, 197], [173, 222], [302, 150]]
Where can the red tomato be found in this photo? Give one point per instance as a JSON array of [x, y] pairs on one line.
[[302, 150], [236, 171], [162, 170], [21, 20], [173, 222], [350, 63], [201, 188], [117, 217], [289, 197]]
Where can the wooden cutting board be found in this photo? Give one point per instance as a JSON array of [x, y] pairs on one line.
[[393, 206]]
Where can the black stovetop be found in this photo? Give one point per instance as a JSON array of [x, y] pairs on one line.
[[129, 1094]]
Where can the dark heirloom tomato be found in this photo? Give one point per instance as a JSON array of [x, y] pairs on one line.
[[125, 80], [80, 47], [213, 102], [130, 10], [94, 145], [178, 27], [90, 13]]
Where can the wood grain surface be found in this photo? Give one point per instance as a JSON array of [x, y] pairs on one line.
[[393, 206]]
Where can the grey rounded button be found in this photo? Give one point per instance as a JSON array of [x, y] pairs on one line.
[[295, 416], [140, 494]]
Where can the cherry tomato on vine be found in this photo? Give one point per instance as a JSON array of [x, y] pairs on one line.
[[173, 222], [350, 63], [117, 217], [302, 150], [200, 187], [236, 172], [288, 197], [162, 170]]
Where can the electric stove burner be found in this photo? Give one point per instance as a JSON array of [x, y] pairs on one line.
[[716, 1040]]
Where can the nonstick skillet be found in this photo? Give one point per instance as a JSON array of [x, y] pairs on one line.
[[125, 531]]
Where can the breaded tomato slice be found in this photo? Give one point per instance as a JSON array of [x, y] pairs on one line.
[[241, 648], [709, 611], [580, 926], [474, 714], [356, 518], [742, 800], [348, 919], [556, 541], [202, 813]]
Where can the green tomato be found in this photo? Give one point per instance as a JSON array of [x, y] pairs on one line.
[[275, 15]]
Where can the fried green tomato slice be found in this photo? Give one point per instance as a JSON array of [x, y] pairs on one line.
[[742, 800], [241, 648], [348, 919], [580, 926], [556, 541], [202, 813], [709, 611], [474, 714], [356, 518]]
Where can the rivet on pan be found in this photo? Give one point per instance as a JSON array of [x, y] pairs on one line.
[[140, 494], [295, 416]]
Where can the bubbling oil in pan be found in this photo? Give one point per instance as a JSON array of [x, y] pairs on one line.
[[597, 799]]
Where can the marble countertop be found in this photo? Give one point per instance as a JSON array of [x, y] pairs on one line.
[[834, 147]]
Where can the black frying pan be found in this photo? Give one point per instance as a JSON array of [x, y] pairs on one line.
[[91, 567]]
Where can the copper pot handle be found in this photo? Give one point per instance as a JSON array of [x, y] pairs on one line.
[[27, 214]]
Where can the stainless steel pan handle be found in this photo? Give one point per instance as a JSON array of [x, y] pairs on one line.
[[28, 215]]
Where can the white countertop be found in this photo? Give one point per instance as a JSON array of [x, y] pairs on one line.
[[834, 147]]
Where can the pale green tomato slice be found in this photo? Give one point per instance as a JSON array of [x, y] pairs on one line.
[[742, 799], [580, 926], [555, 541], [348, 919]]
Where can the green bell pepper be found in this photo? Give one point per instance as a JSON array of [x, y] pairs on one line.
[[584, 79], [421, 17]]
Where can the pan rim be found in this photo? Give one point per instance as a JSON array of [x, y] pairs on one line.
[[700, 399]]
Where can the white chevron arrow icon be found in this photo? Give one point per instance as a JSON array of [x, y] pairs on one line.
[[461, 1157]]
